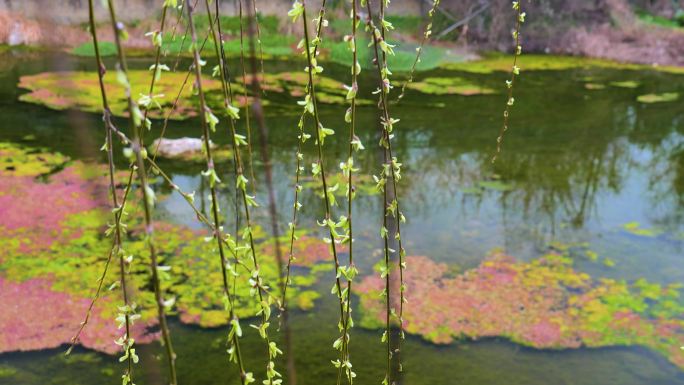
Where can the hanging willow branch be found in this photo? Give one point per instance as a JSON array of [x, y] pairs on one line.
[[119, 211], [302, 137], [258, 287], [310, 107], [136, 122], [114, 249], [188, 73], [248, 120], [263, 145], [150, 100], [391, 169], [348, 170], [207, 118], [419, 50], [201, 217], [255, 18], [515, 71]]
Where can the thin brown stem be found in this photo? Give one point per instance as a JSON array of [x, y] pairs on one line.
[[118, 214], [328, 221], [520, 17], [148, 199], [248, 123], [389, 170], [350, 191], [426, 35], [299, 156], [211, 172], [246, 200]]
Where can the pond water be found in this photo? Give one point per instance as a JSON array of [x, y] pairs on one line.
[[593, 168]]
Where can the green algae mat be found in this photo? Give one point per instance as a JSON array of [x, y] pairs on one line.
[[54, 214], [80, 91]]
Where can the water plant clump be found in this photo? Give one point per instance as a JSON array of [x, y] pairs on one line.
[[545, 303], [448, 86], [76, 90], [535, 62], [20, 161], [658, 98], [38, 262]]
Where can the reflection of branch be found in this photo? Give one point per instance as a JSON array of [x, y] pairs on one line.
[[463, 21]]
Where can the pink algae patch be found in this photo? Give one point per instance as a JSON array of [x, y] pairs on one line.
[[27, 203], [544, 303], [31, 212], [42, 301], [35, 317], [544, 333], [307, 251]]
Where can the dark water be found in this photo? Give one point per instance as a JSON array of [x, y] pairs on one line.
[[581, 165]]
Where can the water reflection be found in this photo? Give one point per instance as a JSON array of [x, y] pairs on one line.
[[576, 167]]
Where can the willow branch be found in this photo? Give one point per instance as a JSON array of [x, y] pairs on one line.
[[212, 173], [148, 199], [390, 169], [241, 182], [426, 35], [520, 18]]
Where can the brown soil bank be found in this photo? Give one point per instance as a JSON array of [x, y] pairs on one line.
[[606, 29], [598, 28]]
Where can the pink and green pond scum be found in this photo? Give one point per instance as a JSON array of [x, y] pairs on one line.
[[54, 212], [544, 304]]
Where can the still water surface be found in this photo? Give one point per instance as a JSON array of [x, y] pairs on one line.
[[577, 165]]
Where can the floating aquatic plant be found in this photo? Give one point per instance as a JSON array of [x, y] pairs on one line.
[[54, 315], [594, 86], [658, 98], [40, 256], [17, 160], [200, 301], [449, 86], [625, 84], [531, 62], [636, 229], [544, 303], [78, 90]]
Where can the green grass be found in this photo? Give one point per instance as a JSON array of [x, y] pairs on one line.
[[404, 55], [277, 44], [403, 24], [407, 24], [658, 20], [231, 24], [272, 44], [107, 48]]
